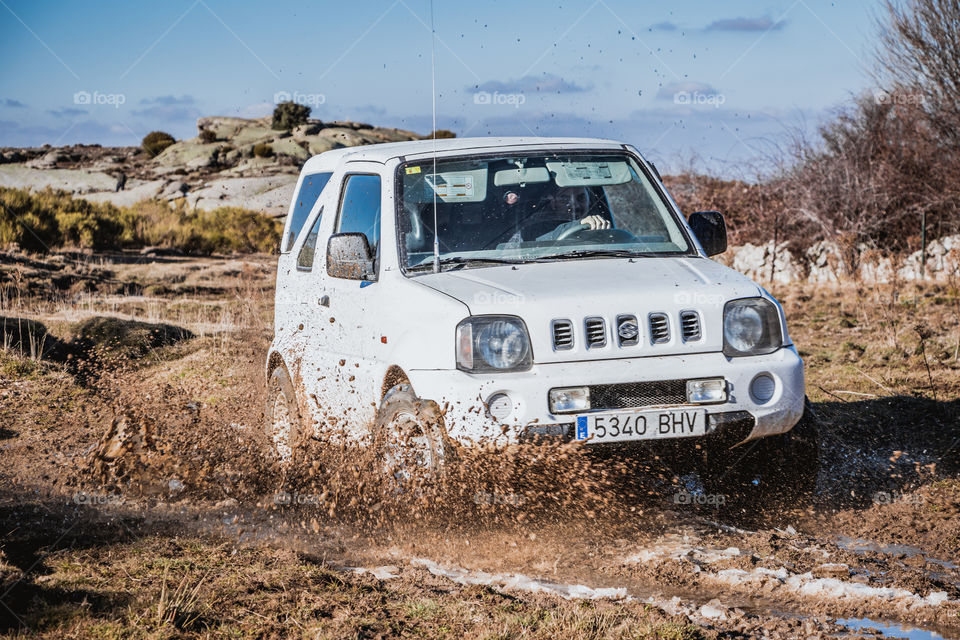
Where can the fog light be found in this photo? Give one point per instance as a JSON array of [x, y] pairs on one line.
[[569, 399], [706, 391], [500, 406], [762, 388]]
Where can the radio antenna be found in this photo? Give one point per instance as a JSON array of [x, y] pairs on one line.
[[433, 92]]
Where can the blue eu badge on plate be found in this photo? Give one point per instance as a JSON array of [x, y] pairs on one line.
[[581, 428]]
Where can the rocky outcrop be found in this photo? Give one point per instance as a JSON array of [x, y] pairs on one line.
[[216, 168]]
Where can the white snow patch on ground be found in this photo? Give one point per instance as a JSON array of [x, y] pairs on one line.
[[803, 584], [520, 582]]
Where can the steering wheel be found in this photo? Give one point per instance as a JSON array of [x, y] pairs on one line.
[[572, 230]]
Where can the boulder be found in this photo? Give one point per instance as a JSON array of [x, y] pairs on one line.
[[48, 160], [135, 191], [188, 153], [74, 181], [308, 129], [270, 195], [290, 147]]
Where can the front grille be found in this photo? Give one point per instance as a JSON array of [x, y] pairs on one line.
[[596, 332], [562, 335], [659, 328], [638, 394], [690, 325]]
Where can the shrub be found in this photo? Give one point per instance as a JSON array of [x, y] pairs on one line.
[[288, 115], [25, 223], [262, 150], [440, 134], [208, 135], [51, 219], [155, 142], [227, 229]]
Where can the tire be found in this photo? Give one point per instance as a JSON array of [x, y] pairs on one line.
[[776, 470], [282, 417], [410, 441]]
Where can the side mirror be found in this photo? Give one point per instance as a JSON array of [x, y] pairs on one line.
[[348, 257], [710, 230]]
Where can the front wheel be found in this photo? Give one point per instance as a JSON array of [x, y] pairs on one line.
[[780, 469], [410, 441]]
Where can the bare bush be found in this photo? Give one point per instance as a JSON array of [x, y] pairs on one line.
[[920, 54]]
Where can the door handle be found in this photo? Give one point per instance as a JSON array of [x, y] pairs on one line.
[[324, 301]]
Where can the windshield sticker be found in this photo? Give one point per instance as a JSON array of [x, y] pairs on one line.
[[451, 186], [412, 170]]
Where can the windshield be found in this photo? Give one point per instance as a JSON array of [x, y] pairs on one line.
[[531, 208]]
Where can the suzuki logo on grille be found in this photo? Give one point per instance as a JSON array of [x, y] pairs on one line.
[[628, 330]]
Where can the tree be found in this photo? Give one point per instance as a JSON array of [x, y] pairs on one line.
[[288, 115]]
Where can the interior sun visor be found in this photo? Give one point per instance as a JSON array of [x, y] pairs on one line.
[[571, 173]]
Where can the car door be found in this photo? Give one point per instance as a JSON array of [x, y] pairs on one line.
[[302, 314], [347, 392]]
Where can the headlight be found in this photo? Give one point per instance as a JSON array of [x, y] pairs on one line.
[[751, 327], [493, 343]]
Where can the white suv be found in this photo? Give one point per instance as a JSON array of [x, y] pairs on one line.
[[453, 292]]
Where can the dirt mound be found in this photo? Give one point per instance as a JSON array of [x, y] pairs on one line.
[[30, 339], [126, 338]]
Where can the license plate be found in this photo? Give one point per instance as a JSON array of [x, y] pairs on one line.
[[641, 425]]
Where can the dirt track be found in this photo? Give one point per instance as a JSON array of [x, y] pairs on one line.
[[503, 549]]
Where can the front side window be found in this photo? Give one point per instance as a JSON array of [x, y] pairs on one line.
[[530, 208], [310, 190], [309, 248], [360, 208]]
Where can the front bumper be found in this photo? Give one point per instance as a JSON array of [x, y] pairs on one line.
[[463, 395]]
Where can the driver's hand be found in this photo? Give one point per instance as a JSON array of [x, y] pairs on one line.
[[595, 222]]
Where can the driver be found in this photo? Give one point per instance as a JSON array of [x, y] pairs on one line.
[[565, 203]]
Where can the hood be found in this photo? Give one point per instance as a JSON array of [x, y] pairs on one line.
[[592, 300]]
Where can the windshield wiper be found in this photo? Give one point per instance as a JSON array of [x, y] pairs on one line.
[[592, 253], [460, 261]]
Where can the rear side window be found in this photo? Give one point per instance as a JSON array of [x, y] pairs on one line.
[[360, 208], [309, 248], [310, 190]]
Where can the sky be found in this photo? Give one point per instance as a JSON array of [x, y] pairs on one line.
[[715, 85]]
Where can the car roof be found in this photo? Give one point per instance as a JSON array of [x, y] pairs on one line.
[[383, 152]]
